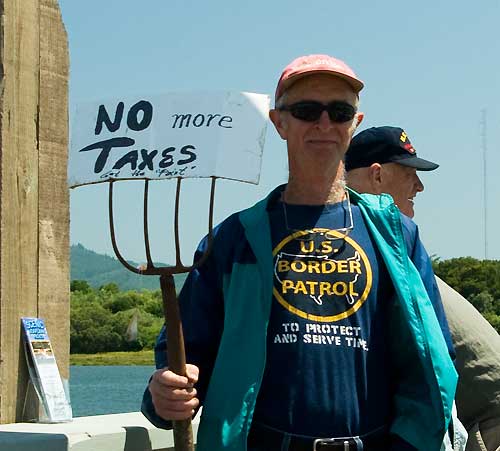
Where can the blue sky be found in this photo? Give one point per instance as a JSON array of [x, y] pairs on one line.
[[429, 67]]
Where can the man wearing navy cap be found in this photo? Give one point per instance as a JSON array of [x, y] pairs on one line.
[[383, 160]]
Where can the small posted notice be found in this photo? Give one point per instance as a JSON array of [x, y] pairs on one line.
[[44, 372]]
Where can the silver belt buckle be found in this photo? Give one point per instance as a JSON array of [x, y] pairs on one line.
[[326, 441]]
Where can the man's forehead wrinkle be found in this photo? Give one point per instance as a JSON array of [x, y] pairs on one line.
[[310, 87]]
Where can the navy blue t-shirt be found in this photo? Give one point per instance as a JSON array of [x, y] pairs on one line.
[[327, 370]]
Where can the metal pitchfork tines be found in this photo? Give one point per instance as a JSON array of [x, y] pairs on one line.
[[176, 356]]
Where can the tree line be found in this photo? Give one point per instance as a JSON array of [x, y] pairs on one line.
[[101, 318], [476, 280]]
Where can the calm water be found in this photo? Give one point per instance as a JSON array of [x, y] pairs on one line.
[[98, 390]]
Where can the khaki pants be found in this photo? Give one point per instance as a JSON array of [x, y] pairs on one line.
[[484, 436]]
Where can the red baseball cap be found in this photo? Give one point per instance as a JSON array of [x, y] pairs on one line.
[[306, 65]]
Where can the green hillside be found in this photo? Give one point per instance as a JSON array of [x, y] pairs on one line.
[[99, 269]]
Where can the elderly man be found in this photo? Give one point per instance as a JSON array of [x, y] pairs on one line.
[[383, 160], [306, 328]]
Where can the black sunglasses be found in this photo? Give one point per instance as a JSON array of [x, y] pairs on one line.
[[310, 110]]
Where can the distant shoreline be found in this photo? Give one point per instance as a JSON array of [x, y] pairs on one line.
[[114, 358]]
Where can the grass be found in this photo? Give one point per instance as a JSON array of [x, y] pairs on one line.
[[114, 358]]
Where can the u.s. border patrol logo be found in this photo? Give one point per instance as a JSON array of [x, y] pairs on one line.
[[321, 275]]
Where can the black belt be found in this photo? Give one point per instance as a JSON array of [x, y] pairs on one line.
[[265, 438]]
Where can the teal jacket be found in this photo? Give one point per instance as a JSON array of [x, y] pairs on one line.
[[426, 377]]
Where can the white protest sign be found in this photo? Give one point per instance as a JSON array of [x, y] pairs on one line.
[[195, 134]]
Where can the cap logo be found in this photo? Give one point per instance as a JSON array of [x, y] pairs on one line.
[[406, 144], [319, 62]]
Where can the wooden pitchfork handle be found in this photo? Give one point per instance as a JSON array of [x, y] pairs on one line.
[[176, 356], [183, 431]]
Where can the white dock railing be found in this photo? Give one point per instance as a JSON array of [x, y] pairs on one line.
[[119, 432]]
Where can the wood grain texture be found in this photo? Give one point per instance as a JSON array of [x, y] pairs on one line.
[[53, 200], [33, 218]]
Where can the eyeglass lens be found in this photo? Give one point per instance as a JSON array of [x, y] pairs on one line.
[[310, 111]]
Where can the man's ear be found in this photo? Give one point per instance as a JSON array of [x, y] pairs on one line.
[[359, 118], [375, 171], [279, 123]]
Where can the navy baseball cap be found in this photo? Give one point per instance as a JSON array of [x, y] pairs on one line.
[[384, 145]]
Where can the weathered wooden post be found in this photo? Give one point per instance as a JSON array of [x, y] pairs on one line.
[[34, 206]]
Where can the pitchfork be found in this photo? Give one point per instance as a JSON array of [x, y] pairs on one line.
[[176, 356]]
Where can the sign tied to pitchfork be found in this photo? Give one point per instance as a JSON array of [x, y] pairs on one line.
[[195, 134], [216, 135]]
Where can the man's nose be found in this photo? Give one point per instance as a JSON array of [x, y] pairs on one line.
[[324, 121], [419, 184]]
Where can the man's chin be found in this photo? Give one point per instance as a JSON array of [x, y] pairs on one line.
[[408, 210]]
